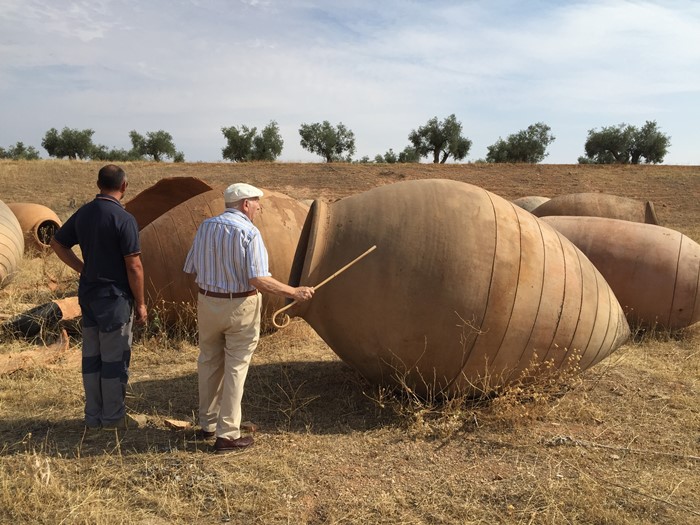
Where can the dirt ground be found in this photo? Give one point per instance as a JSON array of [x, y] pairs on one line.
[[63, 185], [619, 444]]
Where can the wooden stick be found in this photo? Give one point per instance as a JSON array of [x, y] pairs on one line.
[[286, 317]]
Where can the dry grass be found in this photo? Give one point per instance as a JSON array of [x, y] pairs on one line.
[[618, 444]]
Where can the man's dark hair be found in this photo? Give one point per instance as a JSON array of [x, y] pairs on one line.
[[110, 177]]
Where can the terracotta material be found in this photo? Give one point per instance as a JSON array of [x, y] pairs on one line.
[[45, 317], [280, 223], [164, 195], [464, 291], [70, 308], [598, 205], [11, 244], [166, 241], [531, 202], [38, 224], [52, 356], [654, 271]]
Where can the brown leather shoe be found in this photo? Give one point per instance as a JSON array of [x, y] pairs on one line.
[[223, 445]]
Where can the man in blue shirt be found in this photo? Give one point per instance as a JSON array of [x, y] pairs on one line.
[[110, 291], [230, 261]]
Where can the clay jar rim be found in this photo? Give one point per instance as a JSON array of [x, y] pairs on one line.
[[310, 250]]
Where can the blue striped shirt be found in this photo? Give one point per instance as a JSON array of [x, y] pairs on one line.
[[226, 253]]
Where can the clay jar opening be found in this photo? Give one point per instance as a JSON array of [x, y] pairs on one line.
[[44, 232], [309, 251]]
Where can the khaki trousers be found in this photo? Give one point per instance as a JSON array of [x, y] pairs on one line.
[[229, 330]]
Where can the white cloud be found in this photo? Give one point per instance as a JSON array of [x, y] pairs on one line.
[[381, 68]]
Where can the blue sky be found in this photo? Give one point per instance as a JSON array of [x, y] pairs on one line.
[[382, 68]]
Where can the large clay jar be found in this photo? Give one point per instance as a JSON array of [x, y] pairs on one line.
[[654, 271], [463, 293], [11, 244], [598, 205], [167, 239], [163, 196], [530, 202], [38, 224]]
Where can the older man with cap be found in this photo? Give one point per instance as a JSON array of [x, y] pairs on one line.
[[229, 258]]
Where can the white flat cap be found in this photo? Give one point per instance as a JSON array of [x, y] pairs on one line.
[[240, 191]]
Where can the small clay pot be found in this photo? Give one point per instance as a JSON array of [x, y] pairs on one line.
[[38, 223]]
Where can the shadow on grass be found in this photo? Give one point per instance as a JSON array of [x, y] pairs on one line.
[[69, 439], [314, 397]]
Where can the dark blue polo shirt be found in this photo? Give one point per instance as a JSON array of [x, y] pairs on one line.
[[106, 233]]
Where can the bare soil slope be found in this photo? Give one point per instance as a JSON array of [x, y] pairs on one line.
[[63, 185]]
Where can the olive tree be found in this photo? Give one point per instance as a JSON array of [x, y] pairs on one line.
[[102, 152], [245, 144], [388, 158], [332, 143], [440, 138], [409, 154], [71, 143], [626, 144], [527, 145], [19, 152], [156, 144]]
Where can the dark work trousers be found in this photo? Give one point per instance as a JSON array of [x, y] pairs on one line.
[[107, 336]]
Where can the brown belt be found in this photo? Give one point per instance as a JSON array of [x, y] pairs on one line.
[[230, 295]]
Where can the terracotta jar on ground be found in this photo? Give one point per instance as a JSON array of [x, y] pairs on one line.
[[11, 244], [38, 223], [598, 205], [654, 271], [465, 292], [166, 240], [530, 202]]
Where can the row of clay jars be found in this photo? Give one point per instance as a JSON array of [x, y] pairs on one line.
[[465, 292], [166, 239], [654, 271], [168, 214], [11, 244]]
